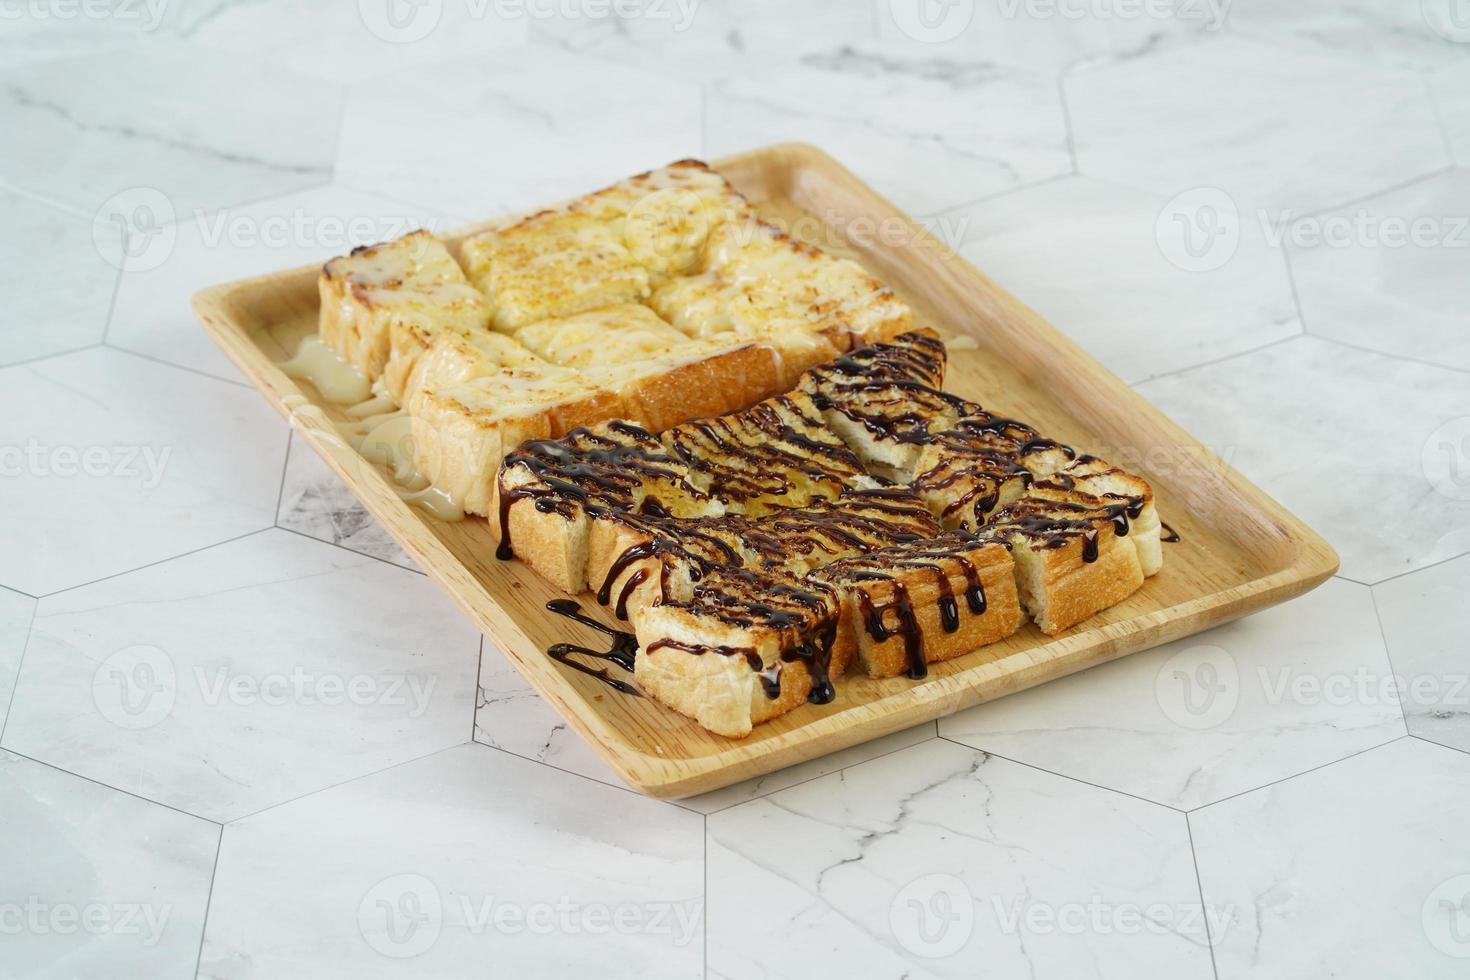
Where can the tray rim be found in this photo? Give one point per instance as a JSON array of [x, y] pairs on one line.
[[1312, 560]]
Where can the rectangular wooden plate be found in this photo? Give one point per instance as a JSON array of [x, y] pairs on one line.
[[1240, 550]]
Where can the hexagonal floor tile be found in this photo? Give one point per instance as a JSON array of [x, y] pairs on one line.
[[315, 502], [152, 314], [15, 626], [1357, 871], [700, 40], [350, 41], [59, 278], [1426, 622], [467, 858], [1380, 435], [960, 861], [1087, 256], [98, 883], [111, 462], [334, 665], [1212, 115], [928, 135], [1212, 715], [1385, 31], [1392, 273], [1038, 34], [511, 716], [101, 123], [509, 119]]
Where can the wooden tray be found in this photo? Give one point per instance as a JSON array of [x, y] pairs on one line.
[[1240, 550]]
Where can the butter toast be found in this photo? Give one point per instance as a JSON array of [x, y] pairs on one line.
[[412, 281]]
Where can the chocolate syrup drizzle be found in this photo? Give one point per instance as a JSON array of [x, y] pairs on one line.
[[596, 471], [733, 563], [621, 653]]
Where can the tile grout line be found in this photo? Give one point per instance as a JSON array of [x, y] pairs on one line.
[[479, 670], [340, 783], [1067, 120], [1388, 655], [177, 367], [285, 467], [350, 551], [117, 281], [1393, 188], [1304, 772], [114, 789], [19, 666], [1413, 571], [219, 847], [1442, 745], [581, 775], [1219, 360], [27, 362], [1296, 297], [1062, 775], [1030, 185], [1409, 358], [1199, 884], [160, 561]]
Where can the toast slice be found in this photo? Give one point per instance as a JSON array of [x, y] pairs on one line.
[[602, 249], [637, 559], [549, 491], [412, 281], [755, 282], [473, 397], [775, 454], [804, 539], [885, 404], [660, 376], [1071, 561], [1124, 495], [703, 307], [552, 264], [746, 647], [665, 216], [922, 602]]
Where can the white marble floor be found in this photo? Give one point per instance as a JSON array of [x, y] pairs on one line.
[[242, 736]]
